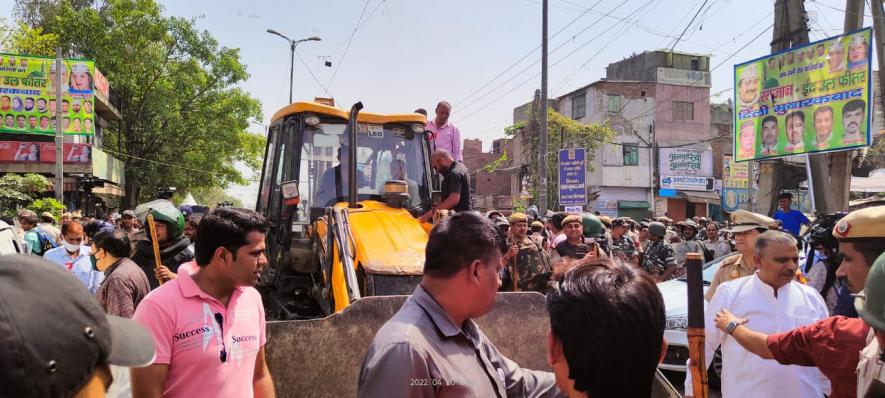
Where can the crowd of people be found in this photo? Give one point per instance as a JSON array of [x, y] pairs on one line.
[[147, 325]]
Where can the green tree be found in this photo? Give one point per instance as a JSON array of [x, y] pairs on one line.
[[17, 191], [184, 118], [574, 135], [51, 205]]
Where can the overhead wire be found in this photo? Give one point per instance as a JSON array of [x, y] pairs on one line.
[[326, 90], [526, 55], [538, 74], [476, 100], [349, 40]]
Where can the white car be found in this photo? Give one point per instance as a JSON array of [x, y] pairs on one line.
[[675, 296], [8, 243]]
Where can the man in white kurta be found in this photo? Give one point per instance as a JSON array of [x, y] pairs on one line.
[[771, 301]]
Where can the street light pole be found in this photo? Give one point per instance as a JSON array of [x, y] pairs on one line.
[[292, 45]]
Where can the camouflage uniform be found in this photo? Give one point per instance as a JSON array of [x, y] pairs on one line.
[[658, 256], [623, 248], [532, 265]]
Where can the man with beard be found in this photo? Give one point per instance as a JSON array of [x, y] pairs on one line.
[[170, 237], [769, 136], [748, 88], [852, 120], [774, 302], [795, 132], [525, 258], [836, 60], [823, 127], [831, 344]]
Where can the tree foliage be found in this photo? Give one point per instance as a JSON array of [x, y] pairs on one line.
[[18, 191], [563, 132], [51, 205], [184, 118]]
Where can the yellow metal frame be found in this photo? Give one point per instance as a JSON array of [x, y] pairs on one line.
[[363, 117]]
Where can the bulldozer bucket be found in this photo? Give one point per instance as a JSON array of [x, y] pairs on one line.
[[322, 357]]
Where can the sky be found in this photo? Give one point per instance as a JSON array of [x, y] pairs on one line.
[[483, 56]]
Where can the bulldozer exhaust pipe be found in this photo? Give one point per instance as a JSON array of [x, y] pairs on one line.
[[351, 154]]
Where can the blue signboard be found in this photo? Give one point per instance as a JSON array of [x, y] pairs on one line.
[[572, 177], [667, 193], [733, 198]]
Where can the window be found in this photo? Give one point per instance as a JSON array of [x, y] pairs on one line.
[[614, 103], [631, 155], [579, 106], [683, 110]]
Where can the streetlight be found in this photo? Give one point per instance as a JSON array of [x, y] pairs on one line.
[[292, 45]]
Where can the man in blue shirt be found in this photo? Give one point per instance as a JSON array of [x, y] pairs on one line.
[[792, 219], [73, 256]]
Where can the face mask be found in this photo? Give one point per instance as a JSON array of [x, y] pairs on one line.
[[71, 248]]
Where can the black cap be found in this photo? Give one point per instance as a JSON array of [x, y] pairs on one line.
[[53, 332]]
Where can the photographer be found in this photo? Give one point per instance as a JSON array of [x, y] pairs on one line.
[[574, 250], [823, 258]]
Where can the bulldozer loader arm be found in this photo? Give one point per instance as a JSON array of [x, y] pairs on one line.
[[323, 357]]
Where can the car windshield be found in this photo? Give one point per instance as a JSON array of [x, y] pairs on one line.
[[710, 268], [384, 152]]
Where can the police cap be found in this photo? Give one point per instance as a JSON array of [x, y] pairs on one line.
[[861, 224]]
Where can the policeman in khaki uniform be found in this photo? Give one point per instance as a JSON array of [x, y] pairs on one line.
[[746, 226], [870, 304], [528, 263]]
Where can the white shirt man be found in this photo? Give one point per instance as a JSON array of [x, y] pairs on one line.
[[771, 302]]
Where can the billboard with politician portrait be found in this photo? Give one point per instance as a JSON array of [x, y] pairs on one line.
[[813, 98], [28, 100]]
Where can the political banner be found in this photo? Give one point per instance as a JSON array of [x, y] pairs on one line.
[[735, 183], [812, 98], [42, 152], [28, 97], [572, 177]]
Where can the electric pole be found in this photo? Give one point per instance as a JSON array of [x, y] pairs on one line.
[[542, 161], [790, 30], [59, 134]]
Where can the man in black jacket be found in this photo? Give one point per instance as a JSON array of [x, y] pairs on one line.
[[173, 243]]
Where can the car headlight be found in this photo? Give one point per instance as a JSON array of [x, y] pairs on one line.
[[676, 322]]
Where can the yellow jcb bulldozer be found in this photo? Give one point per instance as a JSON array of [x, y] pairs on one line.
[[335, 238]]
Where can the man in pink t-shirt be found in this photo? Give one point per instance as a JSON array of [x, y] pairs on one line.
[[445, 135], [208, 327]]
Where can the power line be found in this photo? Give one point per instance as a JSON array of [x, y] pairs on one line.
[[349, 40], [312, 75], [538, 61], [526, 55], [552, 65], [687, 26]]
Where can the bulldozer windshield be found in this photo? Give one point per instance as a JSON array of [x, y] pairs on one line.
[[384, 152]]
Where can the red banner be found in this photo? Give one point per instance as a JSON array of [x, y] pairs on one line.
[[101, 85], [42, 152]]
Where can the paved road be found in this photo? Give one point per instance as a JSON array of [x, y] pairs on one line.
[[678, 381]]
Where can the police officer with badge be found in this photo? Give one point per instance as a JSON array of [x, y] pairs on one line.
[[528, 264], [746, 226]]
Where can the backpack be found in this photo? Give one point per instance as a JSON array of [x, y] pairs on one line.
[[46, 241]]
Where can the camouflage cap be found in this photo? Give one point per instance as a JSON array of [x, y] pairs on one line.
[[861, 224], [570, 219], [742, 221], [518, 217]]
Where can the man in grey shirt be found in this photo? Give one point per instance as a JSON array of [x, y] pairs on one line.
[[431, 347]]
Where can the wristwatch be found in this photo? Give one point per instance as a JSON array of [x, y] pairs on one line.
[[731, 326]]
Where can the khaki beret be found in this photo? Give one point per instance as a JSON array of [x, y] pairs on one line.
[[518, 217], [571, 218], [47, 214], [663, 219], [605, 220], [742, 221], [537, 224], [863, 223]]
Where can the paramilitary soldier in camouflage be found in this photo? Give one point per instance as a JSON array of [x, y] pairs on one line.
[[528, 263], [659, 260], [622, 245]]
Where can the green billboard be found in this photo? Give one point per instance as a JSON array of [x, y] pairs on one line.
[[28, 96], [812, 98]]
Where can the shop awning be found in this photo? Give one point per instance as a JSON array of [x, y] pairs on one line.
[[700, 196], [633, 204]]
